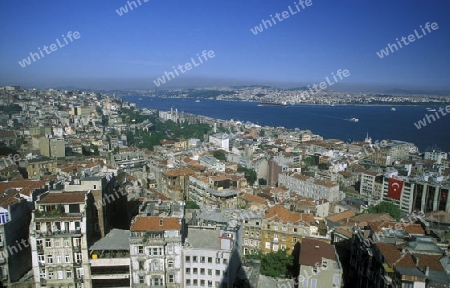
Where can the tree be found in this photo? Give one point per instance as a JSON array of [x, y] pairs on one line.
[[191, 205], [386, 207], [249, 174], [220, 155], [276, 264]]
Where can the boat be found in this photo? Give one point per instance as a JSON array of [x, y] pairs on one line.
[[431, 110], [197, 101], [272, 104], [353, 119], [393, 109], [140, 99]]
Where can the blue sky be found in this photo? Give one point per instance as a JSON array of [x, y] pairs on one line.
[[150, 39]]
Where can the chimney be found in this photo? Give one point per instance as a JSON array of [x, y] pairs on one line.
[[427, 271]]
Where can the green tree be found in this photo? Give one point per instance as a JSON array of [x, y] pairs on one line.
[[386, 207], [192, 205], [249, 174], [276, 264], [220, 155]]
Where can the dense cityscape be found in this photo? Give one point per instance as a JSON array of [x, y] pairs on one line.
[[98, 192]]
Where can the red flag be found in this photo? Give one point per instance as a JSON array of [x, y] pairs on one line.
[[395, 188]]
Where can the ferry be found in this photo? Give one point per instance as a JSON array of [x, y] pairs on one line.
[[431, 110], [393, 109], [353, 119]]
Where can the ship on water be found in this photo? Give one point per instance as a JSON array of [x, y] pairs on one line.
[[272, 104]]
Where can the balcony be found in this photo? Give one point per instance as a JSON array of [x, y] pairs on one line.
[[2, 260], [77, 263], [59, 233]]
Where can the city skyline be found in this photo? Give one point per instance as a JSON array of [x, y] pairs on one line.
[[298, 43]]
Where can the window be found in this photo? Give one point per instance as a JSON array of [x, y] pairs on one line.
[[49, 259], [78, 257], [140, 249], [225, 261], [202, 259], [141, 279], [69, 274], [275, 227], [209, 271], [58, 259], [295, 229], [195, 271], [170, 249], [284, 228], [171, 278], [188, 270], [188, 282], [50, 275], [283, 238], [48, 243], [42, 273], [313, 283], [195, 282], [267, 245], [57, 244], [275, 247], [67, 258], [155, 251], [194, 259], [305, 282], [324, 264], [170, 264], [217, 272], [209, 283], [337, 280], [202, 271], [294, 239], [38, 226], [257, 223], [408, 285], [60, 274], [66, 243], [209, 259], [41, 258], [202, 282], [188, 259], [217, 260], [283, 247], [217, 284]]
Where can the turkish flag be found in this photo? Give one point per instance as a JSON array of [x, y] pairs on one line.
[[395, 188]]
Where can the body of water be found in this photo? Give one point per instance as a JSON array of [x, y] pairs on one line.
[[328, 121]]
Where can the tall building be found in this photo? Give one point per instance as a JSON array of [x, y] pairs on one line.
[[309, 187], [155, 251], [62, 228], [319, 265]]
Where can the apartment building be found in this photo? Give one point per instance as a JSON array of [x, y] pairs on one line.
[[207, 256], [155, 251], [371, 185], [282, 229], [212, 163], [319, 264], [309, 187], [220, 140], [62, 226]]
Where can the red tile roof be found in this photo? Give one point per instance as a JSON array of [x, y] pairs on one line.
[[312, 251], [153, 223], [63, 198]]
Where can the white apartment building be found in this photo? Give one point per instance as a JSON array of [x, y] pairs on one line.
[[212, 163], [309, 187], [220, 140], [155, 251], [207, 255], [59, 241]]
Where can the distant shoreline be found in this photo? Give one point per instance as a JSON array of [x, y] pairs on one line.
[[432, 104]]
